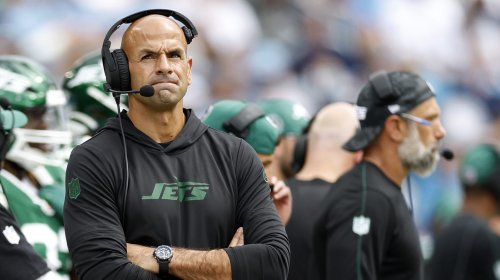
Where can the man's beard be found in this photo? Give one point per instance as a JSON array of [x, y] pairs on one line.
[[416, 156]]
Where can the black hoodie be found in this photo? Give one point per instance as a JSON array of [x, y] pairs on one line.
[[192, 193]]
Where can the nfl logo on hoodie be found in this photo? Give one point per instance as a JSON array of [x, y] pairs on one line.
[[361, 225], [11, 235]]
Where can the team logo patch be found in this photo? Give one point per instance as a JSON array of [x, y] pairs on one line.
[[11, 235], [74, 188], [179, 191], [361, 225]]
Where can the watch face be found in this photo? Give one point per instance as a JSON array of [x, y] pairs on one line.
[[163, 253]]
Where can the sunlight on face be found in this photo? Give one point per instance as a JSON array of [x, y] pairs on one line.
[[415, 155]]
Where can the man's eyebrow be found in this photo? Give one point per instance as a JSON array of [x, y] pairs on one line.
[[147, 50], [176, 50]]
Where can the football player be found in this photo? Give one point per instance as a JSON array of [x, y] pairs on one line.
[[90, 104], [33, 175]]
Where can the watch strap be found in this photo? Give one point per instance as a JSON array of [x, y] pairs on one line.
[[163, 269]]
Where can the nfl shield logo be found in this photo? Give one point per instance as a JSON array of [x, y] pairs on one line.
[[11, 235], [361, 225], [74, 188]]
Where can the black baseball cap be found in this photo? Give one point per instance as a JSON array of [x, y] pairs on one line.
[[385, 94]]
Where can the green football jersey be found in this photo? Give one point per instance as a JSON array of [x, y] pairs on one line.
[[39, 221]]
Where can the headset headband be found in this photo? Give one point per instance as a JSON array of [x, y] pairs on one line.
[[168, 13], [238, 125], [106, 45], [115, 62]]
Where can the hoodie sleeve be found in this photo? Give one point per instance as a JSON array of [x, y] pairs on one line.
[[266, 253], [94, 233], [18, 258]]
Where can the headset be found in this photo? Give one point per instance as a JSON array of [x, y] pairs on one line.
[[115, 63], [300, 149], [238, 125], [117, 73]]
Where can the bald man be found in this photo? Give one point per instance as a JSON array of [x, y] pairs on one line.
[[173, 205], [330, 129], [325, 161]]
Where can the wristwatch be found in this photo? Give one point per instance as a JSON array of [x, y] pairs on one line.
[[163, 255]]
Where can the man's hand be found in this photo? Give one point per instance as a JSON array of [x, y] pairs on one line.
[[282, 197], [143, 257], [238, 238]]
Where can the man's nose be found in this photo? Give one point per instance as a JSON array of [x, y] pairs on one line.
[[163, 64], [440, 131]]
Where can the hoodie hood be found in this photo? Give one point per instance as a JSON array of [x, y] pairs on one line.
[[190, 133]]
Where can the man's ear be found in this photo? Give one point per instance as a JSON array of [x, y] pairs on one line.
[[358, 157], [190, 72], [395, 128]]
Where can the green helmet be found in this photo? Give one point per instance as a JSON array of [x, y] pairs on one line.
[[244, 120], [92, 105], [293, 115], [28, 87], [27, 84], [478, 164]]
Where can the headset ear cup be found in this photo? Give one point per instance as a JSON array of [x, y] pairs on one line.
[[4, 144], [187, 34], [299, 153], [120, 80]]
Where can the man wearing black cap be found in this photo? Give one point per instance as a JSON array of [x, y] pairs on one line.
[[365, 229]]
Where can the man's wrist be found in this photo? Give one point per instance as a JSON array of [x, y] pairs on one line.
[[142, 256], [163, 255]]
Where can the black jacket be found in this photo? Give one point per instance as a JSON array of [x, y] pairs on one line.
[[307, 197], [347, 246], [467, 249], [192, 193]]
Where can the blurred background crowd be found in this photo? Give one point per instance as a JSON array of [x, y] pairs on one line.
[[313, 52]]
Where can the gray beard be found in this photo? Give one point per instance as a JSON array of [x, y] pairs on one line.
[[416, 156]]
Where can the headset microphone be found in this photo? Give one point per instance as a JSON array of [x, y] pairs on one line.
[[146, 91], [447, 154]]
